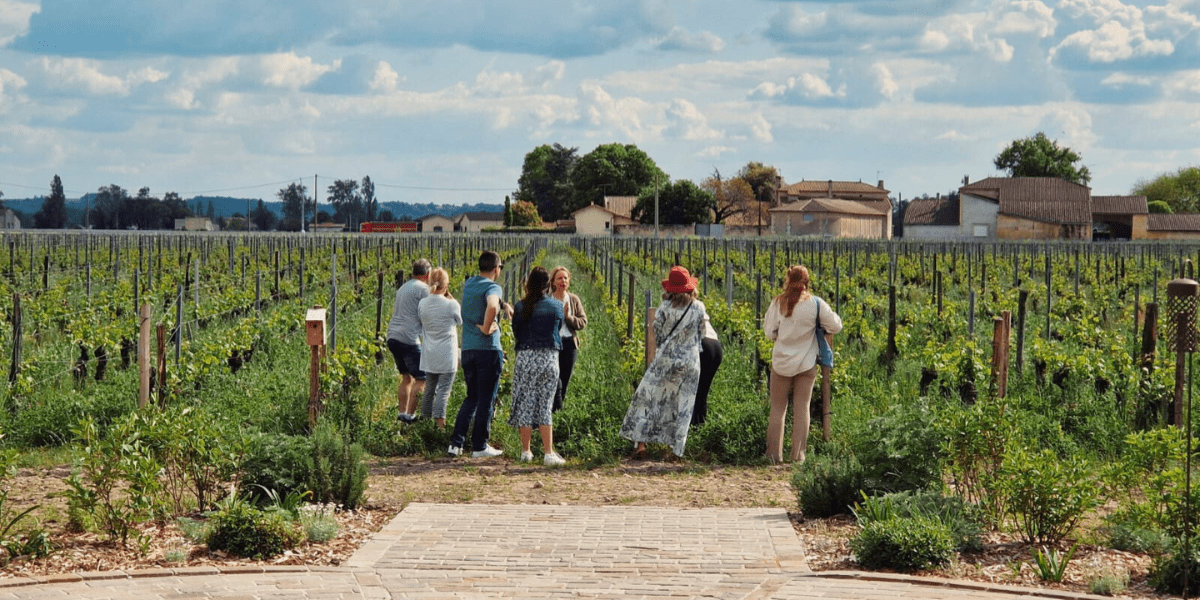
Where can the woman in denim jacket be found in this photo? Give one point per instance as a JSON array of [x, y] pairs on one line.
[[536, 320]]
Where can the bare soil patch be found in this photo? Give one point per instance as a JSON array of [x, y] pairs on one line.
[[396, 482]]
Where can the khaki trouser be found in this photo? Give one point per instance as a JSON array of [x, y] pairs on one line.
[[801, 387]]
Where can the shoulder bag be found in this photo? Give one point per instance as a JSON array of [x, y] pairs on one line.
[[824, 351]]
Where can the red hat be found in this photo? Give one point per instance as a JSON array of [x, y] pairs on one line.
[[679, 281]]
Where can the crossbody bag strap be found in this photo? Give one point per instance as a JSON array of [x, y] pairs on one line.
[[681, 317]]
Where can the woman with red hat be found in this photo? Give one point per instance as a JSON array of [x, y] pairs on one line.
[[661, 410]]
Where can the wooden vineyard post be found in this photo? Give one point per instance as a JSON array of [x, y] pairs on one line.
[[14, 367], [315, 327], [143, 355], [651, 347], [1001, 328], [160, 332]]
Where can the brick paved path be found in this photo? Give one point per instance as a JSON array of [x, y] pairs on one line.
[[458, 551]]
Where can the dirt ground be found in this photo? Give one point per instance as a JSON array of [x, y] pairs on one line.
[[396, 482]]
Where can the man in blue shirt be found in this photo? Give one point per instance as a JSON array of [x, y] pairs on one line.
[[482, 357]]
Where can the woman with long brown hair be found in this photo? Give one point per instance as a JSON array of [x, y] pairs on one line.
[[536, 320], [791, 323]]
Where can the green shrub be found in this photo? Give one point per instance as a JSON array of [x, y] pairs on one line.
[[243, 530], [964, 520], [281, 463], [1045, 493], [1130, 538], [339, 475], [828, 483], [1166, 574], [1108, 585], [900, 449], [903, 544], [318, 523]]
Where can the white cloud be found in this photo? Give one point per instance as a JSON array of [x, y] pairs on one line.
[[385, 78], [9, 83], [888, 88], [291, 71], [760, 128], [954, 136], [1113, 41], [547, 74], [681, 39], [496, 84], [691, 124], [1184, 85], [625, 115], [715, 151], [74, 74], [14, 19]]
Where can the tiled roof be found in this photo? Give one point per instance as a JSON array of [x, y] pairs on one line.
[[1180, 222], [620, 205], [839, 187], [1119, 205], [480, 216], [1047, 199], [432, 216], [828, 205], [932, 211]]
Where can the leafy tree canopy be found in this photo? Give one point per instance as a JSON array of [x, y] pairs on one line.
[[732, 196], [679, 203], [546, 180], [1179, 190], [53, 214], [1039, 156], [762, 179], [613, 170], [525, 214]]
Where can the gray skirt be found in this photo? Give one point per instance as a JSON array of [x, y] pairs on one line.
[[535, 380]]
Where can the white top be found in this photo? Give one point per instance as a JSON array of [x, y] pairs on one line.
[[440, 318], [404, 326], [795, 349]]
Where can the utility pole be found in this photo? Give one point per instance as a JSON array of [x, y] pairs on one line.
[[655, 205], [314, 227], [247, 214]]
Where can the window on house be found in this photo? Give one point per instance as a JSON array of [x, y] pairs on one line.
[[808, 218], [979, 230], [607, 224]]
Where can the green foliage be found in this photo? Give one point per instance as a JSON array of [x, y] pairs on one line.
[[1131, 538], [339, 473], [1039, 156], [612, 170], [964, 521], [901, 448], [281, 463], [1052, 565], [1179, 191], [678, 203], [243, 530], [115, 484], [326, 465], [1159, 207], [318, 523], [903, 544], [1109, 585], [1045, 493], [829, 482], [546, 180], [1167, 572], [199, 454], [525, 214]]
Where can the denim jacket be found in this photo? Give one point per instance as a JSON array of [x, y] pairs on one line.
[[541, 330]]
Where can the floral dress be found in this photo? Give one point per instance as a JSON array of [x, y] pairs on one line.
[[661, 410]]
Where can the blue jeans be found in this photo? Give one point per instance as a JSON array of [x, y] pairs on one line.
[[481, 373]]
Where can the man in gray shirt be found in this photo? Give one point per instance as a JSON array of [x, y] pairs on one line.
[[404, 339]]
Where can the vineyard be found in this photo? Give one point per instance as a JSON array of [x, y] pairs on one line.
[[1082, 423]]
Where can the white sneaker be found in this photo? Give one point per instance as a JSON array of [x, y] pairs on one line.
[[527, 456], [487, 452], [553, 460], [454, 451]]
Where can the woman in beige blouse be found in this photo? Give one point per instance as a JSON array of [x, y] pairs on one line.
[[790, 322], [574, 320]]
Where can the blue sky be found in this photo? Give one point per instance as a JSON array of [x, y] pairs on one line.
[[439, 101]]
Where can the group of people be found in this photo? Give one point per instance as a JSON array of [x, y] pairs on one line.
[[546, 323]]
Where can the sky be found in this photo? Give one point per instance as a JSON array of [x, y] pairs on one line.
[[440, 100]]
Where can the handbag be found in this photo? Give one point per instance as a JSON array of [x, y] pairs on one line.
[[824, 350]]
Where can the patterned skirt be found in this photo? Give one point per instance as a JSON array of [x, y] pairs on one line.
[[535, 380]]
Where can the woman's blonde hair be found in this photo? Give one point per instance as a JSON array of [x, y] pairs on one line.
[[554, 275], [439, 281], [795, 289]]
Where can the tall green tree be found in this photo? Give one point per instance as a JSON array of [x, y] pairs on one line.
[[175, 207], [546, 180], [613, 170], [294, 203], [508, 216], [370, 204], [346, 202], [679, 203], [1039, 156], [262, 218], [53, 214], [1179, 190], [106, 210], [762, 179]]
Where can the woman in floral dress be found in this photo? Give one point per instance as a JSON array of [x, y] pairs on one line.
[[661, 410], [536, 321]]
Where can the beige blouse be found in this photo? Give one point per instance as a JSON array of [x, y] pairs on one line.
[[795, 349]]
